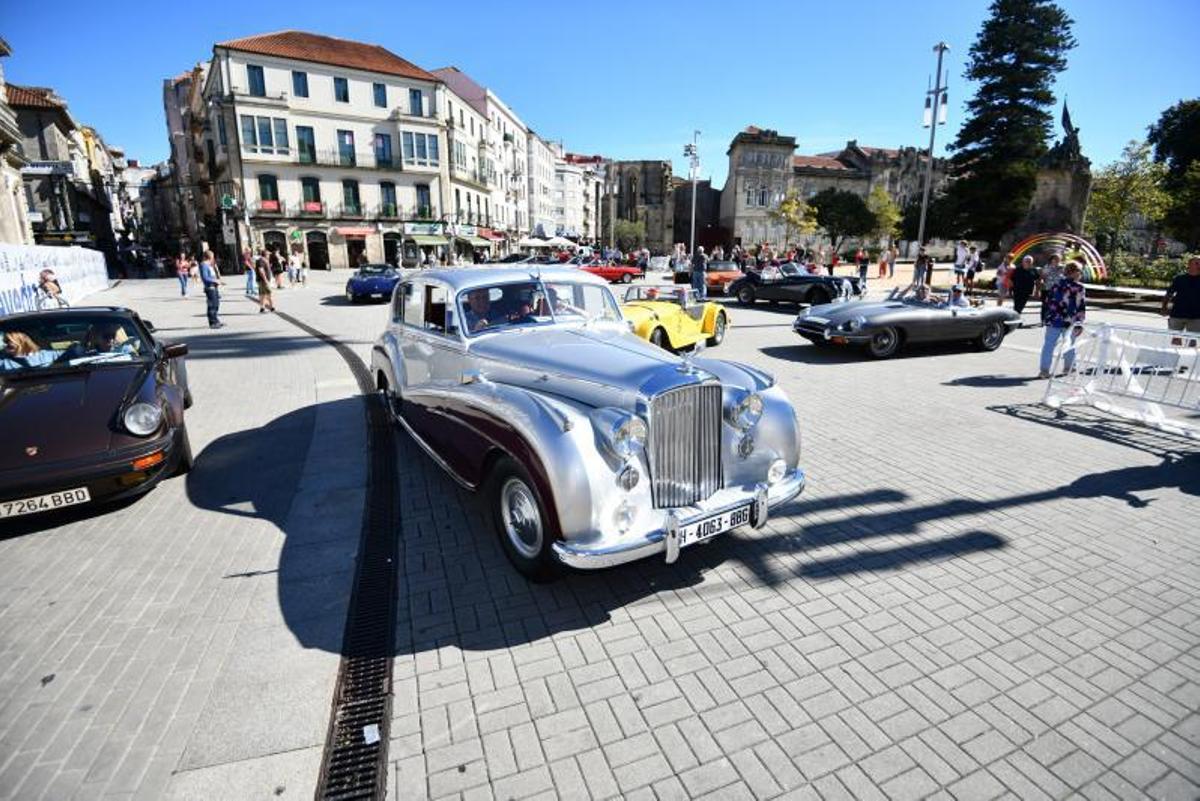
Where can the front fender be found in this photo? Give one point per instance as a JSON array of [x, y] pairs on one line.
[[387, 358]]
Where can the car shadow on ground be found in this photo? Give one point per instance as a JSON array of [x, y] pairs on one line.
[[340, 300], [809, 353], [991, 381], [20, 526]]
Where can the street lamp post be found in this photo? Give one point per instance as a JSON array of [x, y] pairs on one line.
[[935, 115], [694, 156]]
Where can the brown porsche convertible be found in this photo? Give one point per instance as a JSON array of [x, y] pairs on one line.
[[91, 409]]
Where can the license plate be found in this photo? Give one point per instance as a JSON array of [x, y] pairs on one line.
[[44, 503], [712, 526]]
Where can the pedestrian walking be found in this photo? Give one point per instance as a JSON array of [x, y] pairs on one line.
[[211, 281], [194, 271], [266, 297], [920, 267], [1048, 279], [960, 261], [1183, 298], [276, 265], [296, 266], [182, 272], [1065, 306], [1023, 280], [862, 260], [248, 269], [893, 253], [699, 268], [1004, 280], [972, 265]]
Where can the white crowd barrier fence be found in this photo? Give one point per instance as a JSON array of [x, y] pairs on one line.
[[79, 271], [1149, 375]]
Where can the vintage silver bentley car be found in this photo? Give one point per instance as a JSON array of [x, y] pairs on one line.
[[591, 447]]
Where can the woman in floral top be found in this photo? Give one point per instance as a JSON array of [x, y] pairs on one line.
[[1065, 309]]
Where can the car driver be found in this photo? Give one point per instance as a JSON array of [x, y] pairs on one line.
[[479, 305]]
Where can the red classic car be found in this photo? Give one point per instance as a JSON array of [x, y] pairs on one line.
[[613, 273]]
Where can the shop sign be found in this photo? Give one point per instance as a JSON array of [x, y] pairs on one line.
[[427, 228]]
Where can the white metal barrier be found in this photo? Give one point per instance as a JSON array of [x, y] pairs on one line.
[[1150, 375]]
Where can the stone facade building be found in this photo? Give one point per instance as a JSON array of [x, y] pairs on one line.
[[763, 168], [14, 221], [709, 231], [641, 191]]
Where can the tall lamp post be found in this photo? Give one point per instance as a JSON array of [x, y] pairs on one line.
[[694, 161], [935, 115]]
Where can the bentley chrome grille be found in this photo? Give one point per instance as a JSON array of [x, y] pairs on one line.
[[685, 445]]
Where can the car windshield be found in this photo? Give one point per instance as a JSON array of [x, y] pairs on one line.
[[70, 341], [722, 267], [684, 296], [375, 269], [532, 303], [789, 269]]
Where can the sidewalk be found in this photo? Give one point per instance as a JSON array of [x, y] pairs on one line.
[[186, 645]]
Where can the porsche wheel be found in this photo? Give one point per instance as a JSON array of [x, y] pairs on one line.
[[745, 296], [520, 521], [719, 327], [658, 338], [992, 337], [884, 343], [626, 278]]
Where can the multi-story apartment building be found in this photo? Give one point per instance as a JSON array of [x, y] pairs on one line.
[[325, 145], [574, 197], [509, 206], [472, 151], [181, 184], [69, 178], [541, 160], [14, 222]]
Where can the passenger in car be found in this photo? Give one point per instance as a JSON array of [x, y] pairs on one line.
[[21, 352]]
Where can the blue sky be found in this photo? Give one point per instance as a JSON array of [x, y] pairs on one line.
[[633, 79]]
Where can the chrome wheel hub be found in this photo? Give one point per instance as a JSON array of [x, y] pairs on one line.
[[522, 523]]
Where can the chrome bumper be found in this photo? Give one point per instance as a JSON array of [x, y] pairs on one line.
[[664, 540]]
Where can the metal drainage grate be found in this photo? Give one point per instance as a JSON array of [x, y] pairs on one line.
[[352, 768]]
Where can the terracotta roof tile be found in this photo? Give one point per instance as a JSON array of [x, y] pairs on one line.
[[31, 97], [887, 151], [819, 162], [330, 50]]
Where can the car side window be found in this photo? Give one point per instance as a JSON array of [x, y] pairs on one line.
[[414, 305], [399, 301], [435, 308]]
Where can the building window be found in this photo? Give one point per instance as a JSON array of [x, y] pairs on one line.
[[383, 150], [457, 204], [268, 193], [345, 141], [249, 136], [265, 141], [258, 84], [350, 196], [424, 208], [299, 83], [416, 105], [341, 90], [281, 137], [380, 92], [310, 191], [387, 196], [306, 143], [222, 136]]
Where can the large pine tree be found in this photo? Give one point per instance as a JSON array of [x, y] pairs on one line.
[[1021, 47]]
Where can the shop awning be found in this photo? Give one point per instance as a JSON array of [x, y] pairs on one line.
[[426, 239], [475, 241], [488, 233], [351, 231]]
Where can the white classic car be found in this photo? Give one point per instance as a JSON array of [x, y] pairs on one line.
[[591, 447]]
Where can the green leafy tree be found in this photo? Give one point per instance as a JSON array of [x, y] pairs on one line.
[[1020, 48], [629, 233], [796, 216], [842, 214], [1176, 140], [887, 214], [940, 219], [1130, 186]]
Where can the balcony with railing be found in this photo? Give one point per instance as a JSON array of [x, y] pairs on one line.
[[311, 208], [348, 211], [386, 211], [269, 208], [363, 160]]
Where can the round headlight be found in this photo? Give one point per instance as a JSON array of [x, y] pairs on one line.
[[629, 436], [776, 471], [142, 419], [747, 412], [856, 324], [628, 478]]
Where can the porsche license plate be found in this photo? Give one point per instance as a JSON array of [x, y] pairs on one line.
[[712, 526], [44, 503]]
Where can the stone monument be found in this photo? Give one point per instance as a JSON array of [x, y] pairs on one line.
[[1064, 182]]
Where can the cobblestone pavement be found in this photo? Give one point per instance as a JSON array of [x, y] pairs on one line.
[[974, 598]]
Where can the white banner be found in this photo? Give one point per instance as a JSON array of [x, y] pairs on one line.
[[79, 272]]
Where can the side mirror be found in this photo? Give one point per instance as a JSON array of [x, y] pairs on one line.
[[175, 350], [149, 326]]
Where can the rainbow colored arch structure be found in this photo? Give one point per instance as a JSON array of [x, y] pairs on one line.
[[1070, 247]]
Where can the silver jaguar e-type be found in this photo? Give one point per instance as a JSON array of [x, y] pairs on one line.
[[590, 446], [884, 327]]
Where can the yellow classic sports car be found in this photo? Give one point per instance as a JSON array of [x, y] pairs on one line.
[[673, 318]]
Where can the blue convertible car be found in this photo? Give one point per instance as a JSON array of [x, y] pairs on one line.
[[372, 281]]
